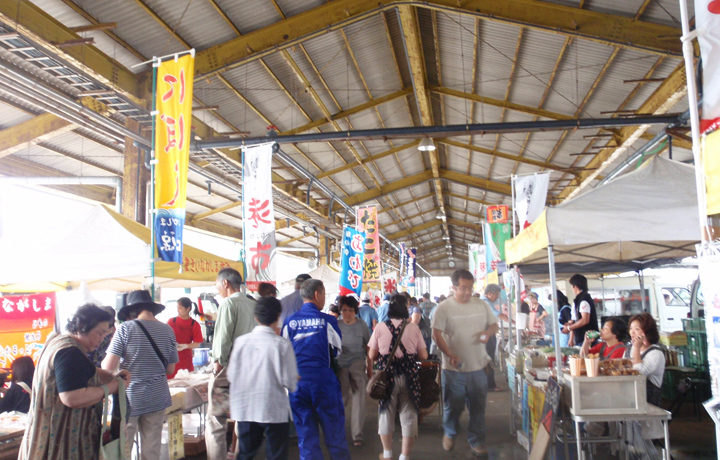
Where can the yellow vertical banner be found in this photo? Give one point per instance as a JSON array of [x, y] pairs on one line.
[[173, 105], [711, 164], [367, 222]]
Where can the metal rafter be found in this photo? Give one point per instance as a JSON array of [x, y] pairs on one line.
[[41, 127], [369, 94], [549, 17], [413, 48], [624, 104], [661, 101]]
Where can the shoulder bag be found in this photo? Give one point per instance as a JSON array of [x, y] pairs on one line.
[[155, 347], [116, 449], [378, 387]]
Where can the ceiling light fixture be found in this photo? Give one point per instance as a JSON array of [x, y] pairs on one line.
[[426, 145], [441, 217]]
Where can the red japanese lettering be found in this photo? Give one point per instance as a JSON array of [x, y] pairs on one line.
[[258, 211]]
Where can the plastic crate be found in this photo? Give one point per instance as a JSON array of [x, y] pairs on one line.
[[592, 395]]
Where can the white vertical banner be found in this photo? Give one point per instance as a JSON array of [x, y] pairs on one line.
[[258, 215], [477, 261], [707, 25], [530, 194]]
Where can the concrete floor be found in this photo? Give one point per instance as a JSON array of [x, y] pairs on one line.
[[690, 438]]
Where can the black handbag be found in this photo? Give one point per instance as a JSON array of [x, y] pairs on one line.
[[378, 387]]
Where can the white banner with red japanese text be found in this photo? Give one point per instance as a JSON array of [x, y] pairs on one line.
[[353, 253], [25, 323], [258, 215], [173, 103], [530, 194], [707, 25], [367, 222]]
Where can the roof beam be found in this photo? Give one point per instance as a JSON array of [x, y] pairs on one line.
[[661, 101], [374, 102], [477, 182], [390, 187], [416, 62], [410, 231], [409, 181], [566, 20], [501, 103], [32, 22], [369, 159], [14, 166], [506, 156], [40, 128], [410, 201]]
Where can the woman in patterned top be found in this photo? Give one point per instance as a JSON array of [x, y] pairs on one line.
[[403, 369], [67, 392]]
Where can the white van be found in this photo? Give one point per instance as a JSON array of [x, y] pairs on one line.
[[668, 302]]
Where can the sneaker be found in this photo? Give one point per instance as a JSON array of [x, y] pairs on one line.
[[448, 443], [478, 450], [380, 456]]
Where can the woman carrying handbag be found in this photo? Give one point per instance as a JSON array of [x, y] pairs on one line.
[[397, 345]]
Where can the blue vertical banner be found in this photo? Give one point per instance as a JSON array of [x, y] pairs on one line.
[[410, 257], [353, 253]]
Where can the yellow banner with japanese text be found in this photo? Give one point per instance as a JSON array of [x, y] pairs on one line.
[[711, 164], [367, 222], [173, 104]]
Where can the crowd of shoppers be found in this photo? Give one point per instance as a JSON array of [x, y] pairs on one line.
[[283, 363]]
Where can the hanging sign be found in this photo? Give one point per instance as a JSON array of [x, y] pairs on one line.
[[495, 237], [258, 215], [498, 214], [367, 222], [410, 258], [530, 195], [25, 323], [353, 252], [477, 261], [173, 102]]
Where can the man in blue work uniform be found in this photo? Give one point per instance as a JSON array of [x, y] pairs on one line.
[[314, 335]]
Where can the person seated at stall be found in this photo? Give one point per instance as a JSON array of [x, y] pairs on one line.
[[611, 344], [187, 333], [17, 397], [649, 360]]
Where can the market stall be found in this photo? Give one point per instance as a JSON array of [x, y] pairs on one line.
[[97, 246], [642, 216], [638, 218]]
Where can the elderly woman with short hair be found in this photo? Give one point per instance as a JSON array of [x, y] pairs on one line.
[[68, 390]]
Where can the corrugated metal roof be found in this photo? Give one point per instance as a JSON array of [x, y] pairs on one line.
[[277, 91]]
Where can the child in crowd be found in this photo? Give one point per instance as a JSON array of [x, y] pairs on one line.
[[261, 370]]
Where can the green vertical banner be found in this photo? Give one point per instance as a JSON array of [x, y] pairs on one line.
[[495, 236]]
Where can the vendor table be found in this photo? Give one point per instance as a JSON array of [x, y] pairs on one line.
[[10, 444], [653, 413]]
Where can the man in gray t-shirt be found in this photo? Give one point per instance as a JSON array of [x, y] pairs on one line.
[[462, 326]]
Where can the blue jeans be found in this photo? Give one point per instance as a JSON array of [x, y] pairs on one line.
[[460, 389]]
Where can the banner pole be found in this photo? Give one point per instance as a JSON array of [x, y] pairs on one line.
[[512, 210], [688, 55], [156, 63]]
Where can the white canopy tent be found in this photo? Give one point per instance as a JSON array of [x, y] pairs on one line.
[[90, 243], [637, 218]]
